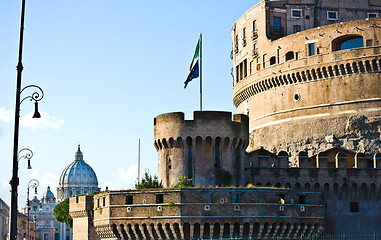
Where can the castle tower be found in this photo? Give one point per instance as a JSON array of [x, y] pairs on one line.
[[209, 149], [309, 89]]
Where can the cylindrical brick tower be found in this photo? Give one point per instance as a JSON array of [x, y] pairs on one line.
[[209, 149], [311, 90]]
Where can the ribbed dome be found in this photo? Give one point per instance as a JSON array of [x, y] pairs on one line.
[[78, 173]]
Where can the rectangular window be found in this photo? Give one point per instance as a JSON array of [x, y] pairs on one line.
[[237, 198], [369, 42], [245, 68], [244, 37], [104, 201], [332, 15], [302, 199], [277, 25], [264, 60], [129, 199], [237, 73], [98, 203], [240, 71], [159, 198], [311, 49], [296, 13], [353, 206], [254, 25], [296, 28], [372, 15]]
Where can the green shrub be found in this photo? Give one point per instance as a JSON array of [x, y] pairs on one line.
[[184, 182], [149, 182]]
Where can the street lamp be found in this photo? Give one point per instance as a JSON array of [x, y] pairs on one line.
[[32, 184], [36, 96]]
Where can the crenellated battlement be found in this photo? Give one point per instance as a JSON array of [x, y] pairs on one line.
[[204, 123], [210, 146]]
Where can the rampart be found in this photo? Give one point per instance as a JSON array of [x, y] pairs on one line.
[[208, 213], [209, 149], [350, 184]]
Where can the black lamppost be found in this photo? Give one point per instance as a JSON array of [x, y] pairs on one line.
[[32, 184], [36, 96]]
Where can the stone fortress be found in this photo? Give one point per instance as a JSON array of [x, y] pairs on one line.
[[306, 139]]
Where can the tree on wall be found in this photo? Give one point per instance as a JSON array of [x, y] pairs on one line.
[[61, 213], [149, 181]]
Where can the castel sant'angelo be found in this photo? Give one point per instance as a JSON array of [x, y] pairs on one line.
[[300, 160]]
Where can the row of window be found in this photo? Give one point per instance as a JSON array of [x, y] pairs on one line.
[[340, 43], [331, 15], [277, 29]]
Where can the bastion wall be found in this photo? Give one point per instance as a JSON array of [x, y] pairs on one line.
[[208, 149]]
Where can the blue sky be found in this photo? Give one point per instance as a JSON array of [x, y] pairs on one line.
[[107, 69]]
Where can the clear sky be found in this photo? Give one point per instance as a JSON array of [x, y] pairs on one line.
[[107, 69]]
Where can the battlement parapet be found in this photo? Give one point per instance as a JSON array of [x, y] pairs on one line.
[[208, 212], [204, 123]]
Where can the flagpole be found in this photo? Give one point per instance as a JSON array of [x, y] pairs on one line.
[[200, 71], [139, 162]]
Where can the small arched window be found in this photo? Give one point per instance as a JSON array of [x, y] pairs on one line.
[[272, 60], [347, 42], [289, 56]]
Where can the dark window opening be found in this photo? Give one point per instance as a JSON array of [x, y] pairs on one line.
[[129, 199], [159, 198], [169, 163], [104, 201], [353, 206], [296, 28], [237, 198], [272, 60], [302, 199], [331, 15], [296, 13], [311, 49], [289, 56], [372, 15], [277, 25]]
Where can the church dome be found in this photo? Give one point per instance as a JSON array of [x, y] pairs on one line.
[[48, 196], [48, 193], [78, 173]]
